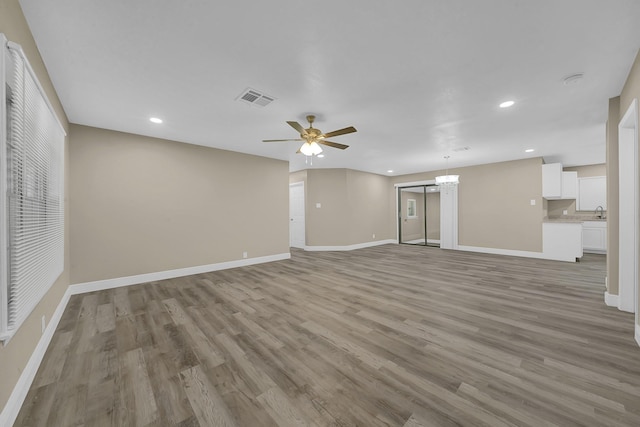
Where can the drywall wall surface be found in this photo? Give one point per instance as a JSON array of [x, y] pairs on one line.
[[142, 205], [369, 207], [299, 176], [494, 204], [327, 208], [345, 207], [16, 353], [495, 209], [587, 171]]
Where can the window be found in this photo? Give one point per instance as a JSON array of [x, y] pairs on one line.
[[31, 191], [411, 208]]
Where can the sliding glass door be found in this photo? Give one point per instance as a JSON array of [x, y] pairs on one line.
[[419, 215]]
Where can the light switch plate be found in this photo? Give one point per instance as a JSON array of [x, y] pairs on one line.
[[318, 205], [533, 202]]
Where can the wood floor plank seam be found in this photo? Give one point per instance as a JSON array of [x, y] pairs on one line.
[[392, 335]]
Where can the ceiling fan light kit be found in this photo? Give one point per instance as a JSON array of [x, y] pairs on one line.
[[313, 137], [310, 149]]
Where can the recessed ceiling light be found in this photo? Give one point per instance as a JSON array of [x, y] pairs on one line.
[[320, 155], [390, 171], [507, 104], [155, 120], [529, 150]]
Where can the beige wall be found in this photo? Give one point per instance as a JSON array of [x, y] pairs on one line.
[[556, 207], [354, 206], [630, 91], [587, 171], [300, 176], [494, 209], [370, 206], [142, 205], [327, 225], [15, 354]]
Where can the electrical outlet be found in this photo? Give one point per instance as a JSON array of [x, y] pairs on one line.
[[533, 202], [374, 236], [565, 212], [244, 255]]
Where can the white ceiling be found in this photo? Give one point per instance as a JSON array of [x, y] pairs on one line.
[[417, 78]]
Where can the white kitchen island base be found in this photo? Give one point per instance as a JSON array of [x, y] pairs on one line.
[[562, 241]]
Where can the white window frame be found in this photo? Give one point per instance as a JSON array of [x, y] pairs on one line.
[[412, 207], [49, 183]]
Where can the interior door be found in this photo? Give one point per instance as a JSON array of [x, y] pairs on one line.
[[419, 215], [297, 237], [411, 214]]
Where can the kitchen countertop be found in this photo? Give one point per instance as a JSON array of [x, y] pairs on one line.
[[573, 219]]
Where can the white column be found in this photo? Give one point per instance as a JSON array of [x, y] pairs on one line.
[[449, 217]]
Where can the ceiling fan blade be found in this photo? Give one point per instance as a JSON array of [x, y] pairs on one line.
[[297, 126], [350, 129], [281, 140], [332, 144]]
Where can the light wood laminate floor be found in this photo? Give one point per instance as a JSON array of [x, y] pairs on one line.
[[392, 335]]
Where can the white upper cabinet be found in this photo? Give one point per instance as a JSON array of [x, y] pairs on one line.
[[552, 181], [592, 192], [557, 184], [569, 185]]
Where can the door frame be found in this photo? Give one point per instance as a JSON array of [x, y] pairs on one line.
[[448, 213], [628, 242]]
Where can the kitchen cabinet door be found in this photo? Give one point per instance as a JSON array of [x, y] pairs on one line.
[[594, 236]]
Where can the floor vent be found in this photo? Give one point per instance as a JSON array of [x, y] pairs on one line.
[[255, 97]]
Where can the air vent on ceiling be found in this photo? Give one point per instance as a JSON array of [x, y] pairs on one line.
[[462, 149], [255, 97], [573, 79]]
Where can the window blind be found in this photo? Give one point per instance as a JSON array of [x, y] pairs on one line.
[[32, 155]]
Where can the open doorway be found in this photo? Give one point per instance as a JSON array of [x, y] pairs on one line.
[[419, 215]]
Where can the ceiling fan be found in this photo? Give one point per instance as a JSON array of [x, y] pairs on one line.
[[313, 137]]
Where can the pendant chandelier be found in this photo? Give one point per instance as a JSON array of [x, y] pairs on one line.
[[444, 181]]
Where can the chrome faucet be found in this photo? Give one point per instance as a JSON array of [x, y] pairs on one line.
[[601, 215]]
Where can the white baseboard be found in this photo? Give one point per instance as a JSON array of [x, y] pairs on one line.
[[511, 252], [638, 334], [19, 393], [99, 285], [508, 252], [13, 405], [350, 247], [611, 300]]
